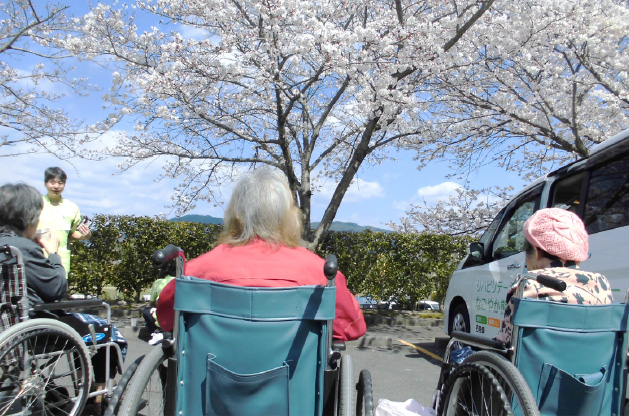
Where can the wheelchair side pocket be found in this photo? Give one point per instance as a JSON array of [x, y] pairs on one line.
[[229, 393], [560, 393]]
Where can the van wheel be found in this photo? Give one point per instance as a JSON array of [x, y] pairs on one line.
[[459, 319]]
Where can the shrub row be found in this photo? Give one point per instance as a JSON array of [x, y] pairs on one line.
[[407, 267]]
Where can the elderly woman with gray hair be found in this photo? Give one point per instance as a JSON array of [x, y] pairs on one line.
[[261, 246], [20, 207]]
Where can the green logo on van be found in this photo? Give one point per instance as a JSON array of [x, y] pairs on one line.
[[480, 319]]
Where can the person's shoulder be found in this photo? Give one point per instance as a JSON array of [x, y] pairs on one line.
[[571, 272], [305, 253], [21, 243], [215, 253], [69, 205], [163, 280], [557, 272], [15, 240]]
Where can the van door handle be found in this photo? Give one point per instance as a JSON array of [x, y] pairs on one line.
[[514, 266]]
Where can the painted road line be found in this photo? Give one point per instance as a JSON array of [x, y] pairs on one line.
[[420, 349]]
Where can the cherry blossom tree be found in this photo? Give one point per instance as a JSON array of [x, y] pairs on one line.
[[34, 77], [547, 85], [468, 212], [316, 89]]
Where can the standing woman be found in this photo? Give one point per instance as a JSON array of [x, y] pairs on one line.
[[61, 216]]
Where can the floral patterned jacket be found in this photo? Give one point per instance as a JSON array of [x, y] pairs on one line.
[[583, 287]]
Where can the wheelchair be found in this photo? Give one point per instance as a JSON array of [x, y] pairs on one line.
[[242, 350], [45, 365], [563, 359]]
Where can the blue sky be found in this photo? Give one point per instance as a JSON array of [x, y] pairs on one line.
[[382, 192]]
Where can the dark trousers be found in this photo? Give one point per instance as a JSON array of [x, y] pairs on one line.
[[151, 324], [99, 359]]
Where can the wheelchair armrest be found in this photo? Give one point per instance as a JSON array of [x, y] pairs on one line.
[[478, 341], [69, 304]]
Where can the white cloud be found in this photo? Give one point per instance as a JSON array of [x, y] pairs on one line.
[[95, 186], [426, 194], [359, 191], [440, 192]]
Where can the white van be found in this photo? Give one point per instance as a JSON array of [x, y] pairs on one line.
[[596, 188]]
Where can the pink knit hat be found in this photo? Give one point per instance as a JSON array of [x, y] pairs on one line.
[[558, 232]]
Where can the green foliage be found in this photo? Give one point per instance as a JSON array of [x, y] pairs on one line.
[[120, 250], [407, 267], [93, 262]]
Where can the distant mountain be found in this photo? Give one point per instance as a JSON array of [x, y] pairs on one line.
[[351, 226], [203, 219], [336, 225]]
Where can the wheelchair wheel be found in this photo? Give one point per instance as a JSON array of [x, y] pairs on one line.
[[472, 389], [364, 398], [346, 387], [119, 392], [44, 369], [512, 382], [146, 389]]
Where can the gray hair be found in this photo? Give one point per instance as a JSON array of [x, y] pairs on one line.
[[20, 206], [262, 205]]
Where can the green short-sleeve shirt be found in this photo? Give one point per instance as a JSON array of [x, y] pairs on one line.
[[62, 219], [158, 286]]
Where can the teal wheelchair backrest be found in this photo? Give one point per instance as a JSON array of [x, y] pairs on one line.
[[572, 356], [251, 351]]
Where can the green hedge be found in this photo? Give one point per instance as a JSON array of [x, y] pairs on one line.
[[119, 252], [408, 267]]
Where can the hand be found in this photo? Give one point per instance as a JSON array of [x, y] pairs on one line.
[[51, 245], [85, 231]]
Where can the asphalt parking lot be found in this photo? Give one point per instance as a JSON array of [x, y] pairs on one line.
[[403, 356]]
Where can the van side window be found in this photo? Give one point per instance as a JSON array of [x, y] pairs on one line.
[[567, 193], [510, 239], [607, 205]]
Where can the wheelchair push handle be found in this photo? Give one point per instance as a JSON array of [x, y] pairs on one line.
[[162, 257], [331, 266], [551, 282]]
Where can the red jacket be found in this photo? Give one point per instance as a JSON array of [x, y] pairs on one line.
[[260, 265]]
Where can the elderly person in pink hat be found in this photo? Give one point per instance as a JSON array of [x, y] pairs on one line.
[[556, 243]]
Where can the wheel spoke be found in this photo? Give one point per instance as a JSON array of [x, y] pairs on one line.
[[40, 369], [471, 389]]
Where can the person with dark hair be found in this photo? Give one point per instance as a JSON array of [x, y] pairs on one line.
[[60, 216], [262, 246], [20, 207], [556, 242]]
